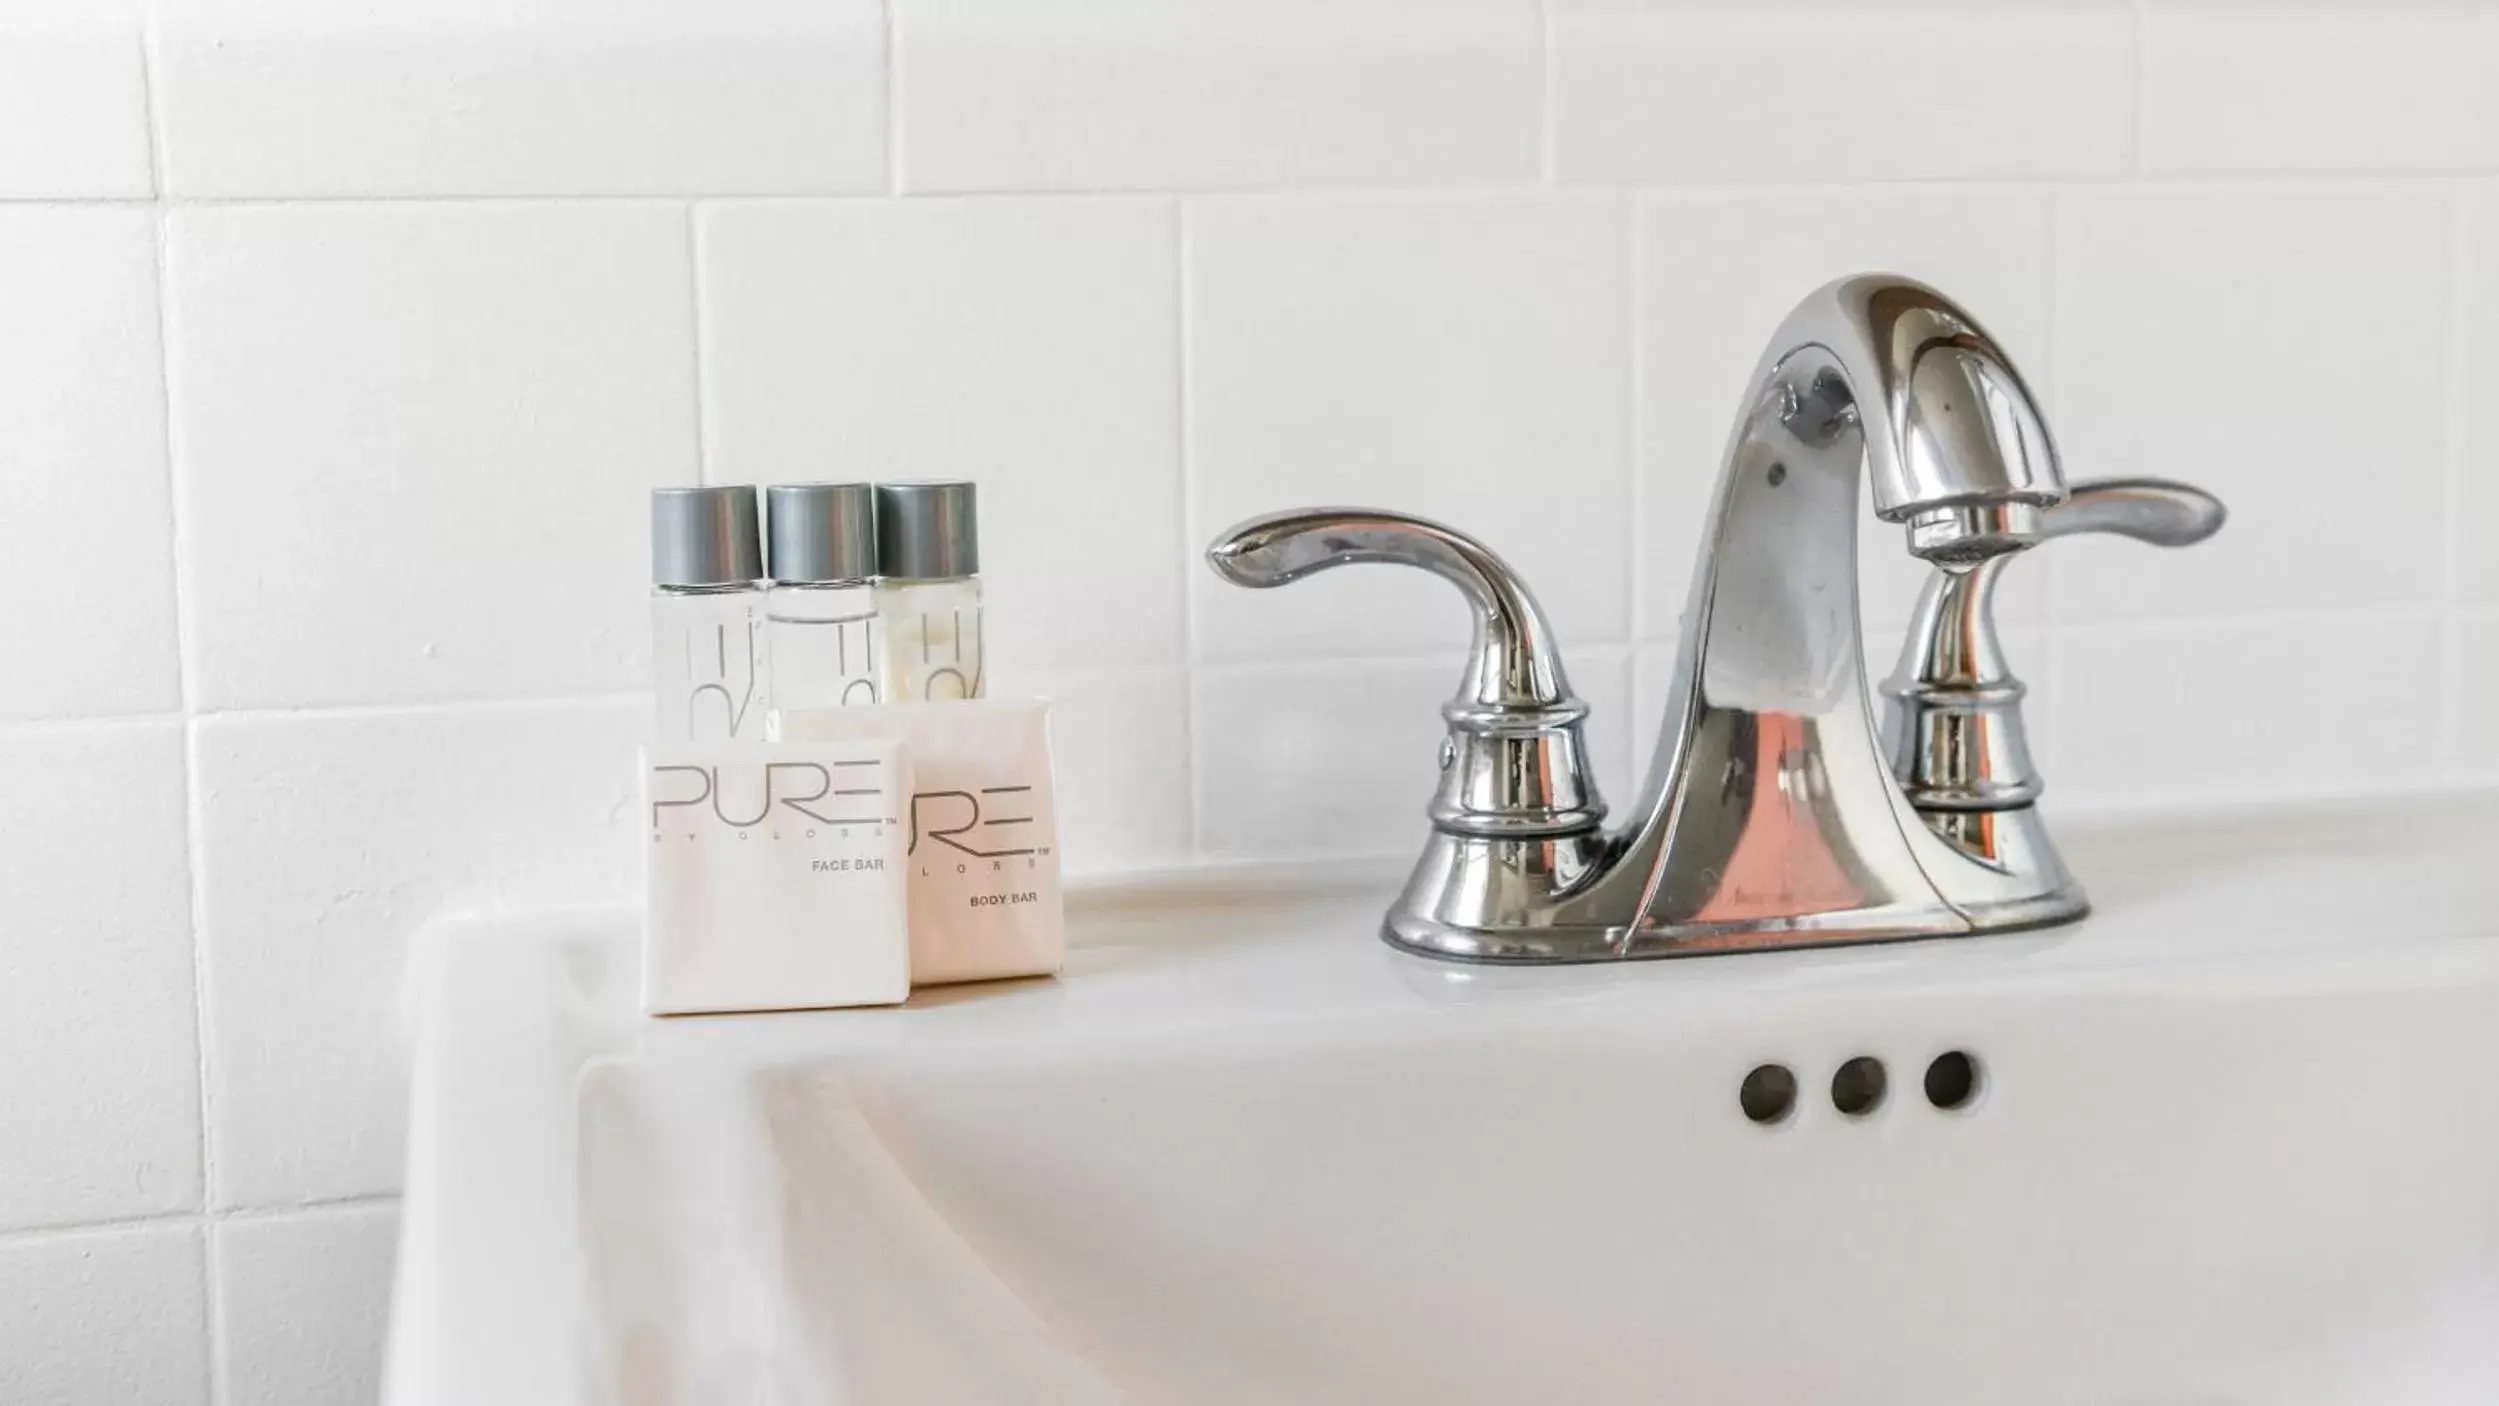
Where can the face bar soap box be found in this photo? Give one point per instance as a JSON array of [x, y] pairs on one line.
[[775, 875]]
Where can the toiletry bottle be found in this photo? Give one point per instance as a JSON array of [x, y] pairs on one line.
[[821, 606], [710, 662], [929, 590]]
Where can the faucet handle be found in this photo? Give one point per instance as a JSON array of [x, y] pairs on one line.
[[1953, 717], [1514, 765], [2163, 512]]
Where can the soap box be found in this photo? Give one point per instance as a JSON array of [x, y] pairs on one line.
[[775, 876], [983, 845]]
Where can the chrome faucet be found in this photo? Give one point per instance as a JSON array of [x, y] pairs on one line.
[[1775, 814]]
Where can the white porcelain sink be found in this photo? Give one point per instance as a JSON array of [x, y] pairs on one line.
[[2234, 1143]]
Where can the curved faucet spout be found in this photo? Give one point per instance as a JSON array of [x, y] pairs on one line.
[[1770, 816], [1955, 448], [1770, 804]]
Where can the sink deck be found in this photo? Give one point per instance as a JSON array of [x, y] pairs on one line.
[[1244, 1151]]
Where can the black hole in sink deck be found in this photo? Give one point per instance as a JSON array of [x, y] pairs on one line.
[[1768, 1094], [1953, 1080], [1857, 1088]]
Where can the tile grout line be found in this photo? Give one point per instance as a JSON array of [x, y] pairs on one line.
[[695, 332], [1190, 586], [15, 203], [421, 708], [483, 703], [212, 1348], [2390, 614], [151, 111], [89, 722], [2040, 699], [2134, 91], [1636, 429], [893, 98], [2135, 803], [2242, 177], [1548, 165], [2455, 387], [1584, 649], [204, 1220], [194, 822], [2151, 626]]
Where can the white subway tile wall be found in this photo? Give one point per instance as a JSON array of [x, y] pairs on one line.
[[1007, 95], [339, 343], [324, 840], [99, 1047], [1322, 758], [2473, 302], [84, 499], [1428, 353], [1710, 91], [2238, 86], [1120, 745], [414, 443], [73, 102], [2473, 707], [2316, 416], [107, 1316], [276, 99], [305, 1300], [1034, 338], [2138, 707]]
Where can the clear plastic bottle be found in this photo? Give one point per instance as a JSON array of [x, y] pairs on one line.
[[821, 607], [711, 669], [929, 591]]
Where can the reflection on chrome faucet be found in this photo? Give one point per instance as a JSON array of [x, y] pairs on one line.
[[1775, 814]]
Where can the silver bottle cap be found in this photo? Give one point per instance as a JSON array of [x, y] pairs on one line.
[[928, 531], [820, 531], [704, 537]]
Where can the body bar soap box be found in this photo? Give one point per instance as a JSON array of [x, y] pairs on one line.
[[775, 876], [983, 841]]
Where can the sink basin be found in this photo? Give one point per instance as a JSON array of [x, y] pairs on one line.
[[2227, 1141]]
